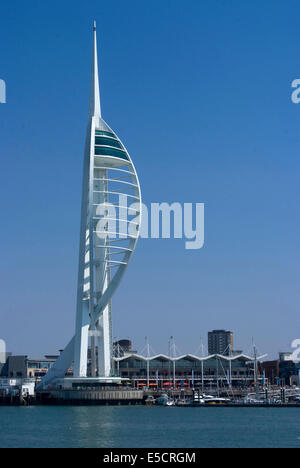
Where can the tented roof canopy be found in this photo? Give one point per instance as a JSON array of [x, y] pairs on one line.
[[189, 357]]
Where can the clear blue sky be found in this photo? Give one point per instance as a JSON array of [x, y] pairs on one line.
[[199, 91]]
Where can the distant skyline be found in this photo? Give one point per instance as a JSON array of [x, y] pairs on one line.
[[200, 93]]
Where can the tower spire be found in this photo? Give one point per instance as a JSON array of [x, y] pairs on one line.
[[95, 106]]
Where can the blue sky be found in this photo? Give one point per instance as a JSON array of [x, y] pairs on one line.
[[199, 91]]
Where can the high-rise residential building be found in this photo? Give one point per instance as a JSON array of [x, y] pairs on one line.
[[220, 342]]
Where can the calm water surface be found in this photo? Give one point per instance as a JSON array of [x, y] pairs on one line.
[[132, 427]]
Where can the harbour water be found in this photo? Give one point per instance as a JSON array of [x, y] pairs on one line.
[[147, 427]]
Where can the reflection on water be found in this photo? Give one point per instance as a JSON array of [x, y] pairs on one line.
[[129, 426]]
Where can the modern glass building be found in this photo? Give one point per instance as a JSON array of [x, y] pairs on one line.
[[187, 370]]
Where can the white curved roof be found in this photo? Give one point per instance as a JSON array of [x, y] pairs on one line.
[[190, 357]]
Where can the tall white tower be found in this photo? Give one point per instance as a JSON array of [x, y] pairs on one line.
[[110, 224]]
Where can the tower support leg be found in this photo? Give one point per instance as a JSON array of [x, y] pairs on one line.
[[82, 342], [104, 347]]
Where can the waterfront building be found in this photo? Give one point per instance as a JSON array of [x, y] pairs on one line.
[[271, 371], [163, 371], [283, 371], [17, 387], [289, 372], [160, 371], [3, 364], [25, 367], [220, 342]]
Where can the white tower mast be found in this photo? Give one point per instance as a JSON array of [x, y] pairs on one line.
[[94, 268], [110, 225]]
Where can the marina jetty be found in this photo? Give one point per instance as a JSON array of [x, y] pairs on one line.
[[91, 397], [122, 395]]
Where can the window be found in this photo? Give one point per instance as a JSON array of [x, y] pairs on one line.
[[107, 142], [101, 132], [33, 365], [110, 152]]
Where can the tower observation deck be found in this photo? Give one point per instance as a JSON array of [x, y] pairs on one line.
[[110, 225]]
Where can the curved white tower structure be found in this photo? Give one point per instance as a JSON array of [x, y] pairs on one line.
[[110, 224]]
